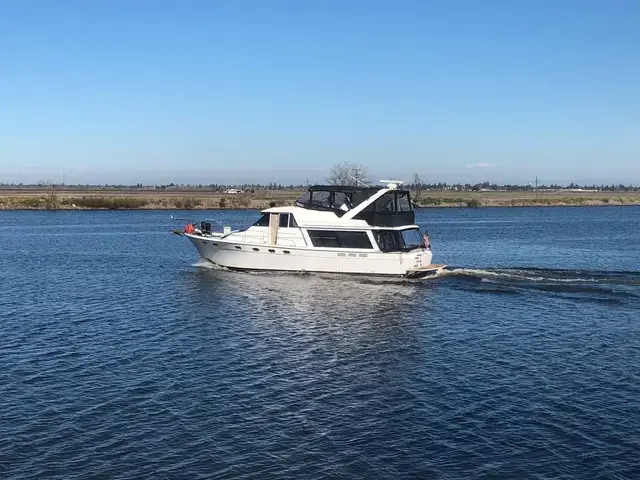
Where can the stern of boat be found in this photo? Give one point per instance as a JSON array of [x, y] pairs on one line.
[[420, 263]]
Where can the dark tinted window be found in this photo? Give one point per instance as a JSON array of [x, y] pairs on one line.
[[322, 238], [263, 221], [342, 201], [396, 241], [388, 240], [321, 199], [354, 240], [287, 220], [412, 238], [391, 202], [304, 200], [329, 238], [329, 200], [403, 202], [386, 203]]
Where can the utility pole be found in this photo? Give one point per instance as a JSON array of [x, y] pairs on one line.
[[536, 187]]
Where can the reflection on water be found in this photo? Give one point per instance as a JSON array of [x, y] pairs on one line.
[[316, 303]]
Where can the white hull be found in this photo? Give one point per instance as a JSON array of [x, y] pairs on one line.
[[248, 256]]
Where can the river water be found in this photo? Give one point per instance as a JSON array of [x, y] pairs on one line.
[[122, 356]]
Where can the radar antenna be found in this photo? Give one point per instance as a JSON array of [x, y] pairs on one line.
[[392, 184]]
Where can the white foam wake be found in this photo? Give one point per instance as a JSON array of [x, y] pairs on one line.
[[517, 275], [204, 263]]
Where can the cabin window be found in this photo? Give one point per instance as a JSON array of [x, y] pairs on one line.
[[412, 238], [388, 240], [398, 240], [322, 238], [339, 239], [263, 221], [287, 220], [354, 240]]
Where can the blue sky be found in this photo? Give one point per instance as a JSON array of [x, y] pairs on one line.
[[226, 91]]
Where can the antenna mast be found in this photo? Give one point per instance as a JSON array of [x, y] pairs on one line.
[[356, 179]]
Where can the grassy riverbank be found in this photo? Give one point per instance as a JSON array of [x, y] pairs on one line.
[[526, 199], [30, 199]]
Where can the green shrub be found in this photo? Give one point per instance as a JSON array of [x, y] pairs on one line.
[[431, 201], [32, 202], [222, 203], [187, 203], [242, 202], [474, 203]]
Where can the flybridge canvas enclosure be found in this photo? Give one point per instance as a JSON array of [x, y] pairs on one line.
[[336, 198], [393, 209]]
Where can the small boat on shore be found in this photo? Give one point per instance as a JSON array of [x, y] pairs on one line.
[[330, 229]]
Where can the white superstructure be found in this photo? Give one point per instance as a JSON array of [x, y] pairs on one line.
[[330, 229]]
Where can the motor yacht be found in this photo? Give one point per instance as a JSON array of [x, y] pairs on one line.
[[332, 229]]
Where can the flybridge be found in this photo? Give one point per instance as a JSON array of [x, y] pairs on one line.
[[378, 206]]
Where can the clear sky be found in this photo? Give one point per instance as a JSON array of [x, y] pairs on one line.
[[271, 90]]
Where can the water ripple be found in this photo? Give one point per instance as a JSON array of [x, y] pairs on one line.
[[121, 359]]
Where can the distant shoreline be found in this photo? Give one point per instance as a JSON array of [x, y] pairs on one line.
[[30, 199]]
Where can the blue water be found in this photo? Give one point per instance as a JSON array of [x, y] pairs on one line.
[[122, 357]]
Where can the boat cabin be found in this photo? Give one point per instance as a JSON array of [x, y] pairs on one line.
[[390, 208]]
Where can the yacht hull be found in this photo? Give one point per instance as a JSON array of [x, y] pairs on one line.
[[247, 256]]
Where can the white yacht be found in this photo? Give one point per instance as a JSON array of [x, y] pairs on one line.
[[336, 229]]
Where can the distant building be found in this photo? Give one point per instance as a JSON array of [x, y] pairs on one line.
[[233, 191]]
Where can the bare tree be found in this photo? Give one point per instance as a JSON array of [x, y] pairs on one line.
[[348, 174], [418, 185]]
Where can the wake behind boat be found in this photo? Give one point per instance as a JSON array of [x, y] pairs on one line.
[[331, 229]]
